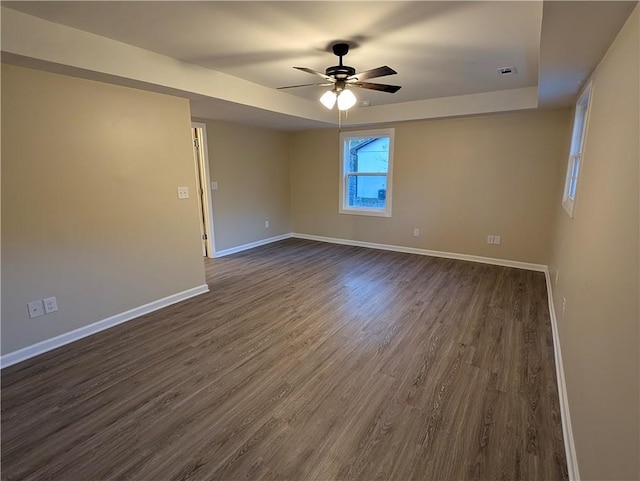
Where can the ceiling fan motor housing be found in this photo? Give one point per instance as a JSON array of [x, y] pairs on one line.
[[340, 71]]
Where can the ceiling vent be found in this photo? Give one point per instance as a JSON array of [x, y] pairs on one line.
[[507, 70]]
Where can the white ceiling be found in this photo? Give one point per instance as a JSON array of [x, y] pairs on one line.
[[439, 49]]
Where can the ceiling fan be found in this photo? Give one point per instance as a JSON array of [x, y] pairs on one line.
[[342, 76]]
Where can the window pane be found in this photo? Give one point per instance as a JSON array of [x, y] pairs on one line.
[[368, 154], [575, 170], [367, 191], [572, 188], [579, 123]]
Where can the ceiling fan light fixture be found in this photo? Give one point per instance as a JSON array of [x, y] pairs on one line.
[[328, 99], [346, 99]]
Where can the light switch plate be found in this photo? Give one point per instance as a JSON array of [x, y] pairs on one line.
[[183, 192], [214, 185], [36, 309]]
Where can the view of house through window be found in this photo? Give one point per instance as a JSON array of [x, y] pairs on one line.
[[365, 184]]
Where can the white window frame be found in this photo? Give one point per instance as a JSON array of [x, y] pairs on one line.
[[576, 151], [344, 207]]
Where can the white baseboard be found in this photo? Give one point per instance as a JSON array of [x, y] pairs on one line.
[[71, 336], [251, 245], [567, 431], [426, 252]]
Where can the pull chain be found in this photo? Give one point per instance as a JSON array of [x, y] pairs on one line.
[[340, 117]]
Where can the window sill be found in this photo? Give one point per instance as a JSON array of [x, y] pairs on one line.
[[568, 207], [367, 212]]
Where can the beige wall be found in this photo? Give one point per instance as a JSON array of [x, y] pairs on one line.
[[457, 180], [597, 255], [251, 167], [89, 206]]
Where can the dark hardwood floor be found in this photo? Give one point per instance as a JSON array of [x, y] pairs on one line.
[[306, 361]]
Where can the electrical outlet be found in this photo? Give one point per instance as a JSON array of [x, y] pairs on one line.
[[36, 309], [496, 239], [266, 224], [489, 239], [183, 192], [416, 232], [50, 305], [214, 185]]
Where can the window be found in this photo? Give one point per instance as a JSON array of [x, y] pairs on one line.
[[575, 153], [366, 160]]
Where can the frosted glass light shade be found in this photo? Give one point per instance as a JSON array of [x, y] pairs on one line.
[[346, 100], [328, 99]]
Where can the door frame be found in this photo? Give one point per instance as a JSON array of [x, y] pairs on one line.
[[202, 162]]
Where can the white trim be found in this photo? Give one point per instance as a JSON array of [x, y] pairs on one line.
[[567, 431], [343, 207], [364, 211], [208, 202], [251, 245], [426, 252], [85, 331]]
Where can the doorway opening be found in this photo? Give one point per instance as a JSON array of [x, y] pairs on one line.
[[205, 207]]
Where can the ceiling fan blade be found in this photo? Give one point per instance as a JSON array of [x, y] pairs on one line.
[[315, 72], [381, 87], [328, 84], [373, 73]]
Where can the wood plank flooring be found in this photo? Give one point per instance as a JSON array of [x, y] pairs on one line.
[[306, 361]]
